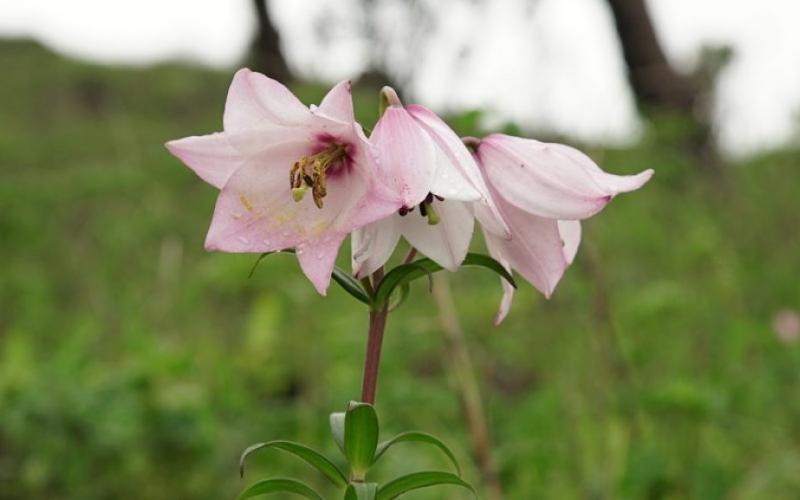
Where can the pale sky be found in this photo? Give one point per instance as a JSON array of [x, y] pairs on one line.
[[552, 65]]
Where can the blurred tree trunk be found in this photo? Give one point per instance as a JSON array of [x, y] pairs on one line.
[[659, 88], [266, 55], [655, 83]]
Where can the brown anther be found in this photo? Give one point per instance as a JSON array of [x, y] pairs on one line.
[[310, 171], [440, 198], [403, 211]]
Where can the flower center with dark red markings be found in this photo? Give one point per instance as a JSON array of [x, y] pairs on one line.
[[311, 171]]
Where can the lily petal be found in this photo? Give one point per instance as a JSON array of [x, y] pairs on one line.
[[211, 157], [255, 100], [407, 155], [570, 231], [536, 252], [317, 258], [550, 180], [338, 103], [255, 212], [462, 167], [447, 242], [373, 245], [461, 163]]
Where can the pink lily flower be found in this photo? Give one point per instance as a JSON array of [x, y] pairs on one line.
[[542, 191], [290, 176], [425, 161]]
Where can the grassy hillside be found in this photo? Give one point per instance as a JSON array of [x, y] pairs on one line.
[[135, 365]]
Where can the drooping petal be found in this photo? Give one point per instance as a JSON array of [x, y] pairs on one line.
[[610, 183], [211, 157], [255, 100], [570, 231], [447, 242], [550, 180], [461, 166], [449, 183], [497, 251], [338, 103], [317, 258], [406, 155], [535, 251], [373, 245]]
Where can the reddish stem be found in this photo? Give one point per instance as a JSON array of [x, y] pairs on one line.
[[372, 360], [377, 325]]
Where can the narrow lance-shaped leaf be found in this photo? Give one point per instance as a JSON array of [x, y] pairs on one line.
[[405, 290], [401, 275], [480, 260], [408, 272], [350, 285], [257, 262], [279, 485], [310, 456], [419, 437], [361, 491], [360, 438], [342, 278], [417, 480], [337, 428]]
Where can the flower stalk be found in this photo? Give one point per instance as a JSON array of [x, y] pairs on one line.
[[372, 359]]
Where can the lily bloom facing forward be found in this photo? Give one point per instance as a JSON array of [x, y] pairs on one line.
[[290, 176], [542, 190]]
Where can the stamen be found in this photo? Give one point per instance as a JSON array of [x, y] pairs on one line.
[[310, 172]]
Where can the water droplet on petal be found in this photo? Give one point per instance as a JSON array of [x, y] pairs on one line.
[[244, 240], [266, 242]]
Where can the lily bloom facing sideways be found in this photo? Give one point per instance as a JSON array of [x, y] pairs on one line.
[[542, 191], [290, 176], [425, 162]]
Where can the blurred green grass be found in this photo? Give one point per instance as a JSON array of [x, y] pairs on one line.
[[132, 363]]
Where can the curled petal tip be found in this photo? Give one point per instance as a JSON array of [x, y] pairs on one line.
[[391, 97]]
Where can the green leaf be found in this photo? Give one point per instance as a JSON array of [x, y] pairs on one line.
[[417, 480], [361, 491], [257, 262], [419, 437], [350, 285], [360, 438], [406, 273], [312, 457], [480, 260], [400, 275], [337, 428], [405, 290], [343, 278], [279, 485]]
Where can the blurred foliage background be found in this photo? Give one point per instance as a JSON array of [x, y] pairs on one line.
[[135, 364]]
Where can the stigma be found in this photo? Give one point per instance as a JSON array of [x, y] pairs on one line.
[[309, 172]]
